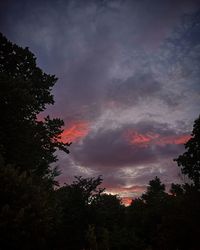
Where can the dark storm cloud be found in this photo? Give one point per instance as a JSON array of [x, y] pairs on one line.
[[83, 43], [140, 87], [134, 89], [109, 148]]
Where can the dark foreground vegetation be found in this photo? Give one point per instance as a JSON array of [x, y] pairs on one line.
[[37, 214]]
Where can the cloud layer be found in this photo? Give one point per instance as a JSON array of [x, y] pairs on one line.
[[127, 96]]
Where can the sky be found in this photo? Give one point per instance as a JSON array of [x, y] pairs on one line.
[[128, 83]]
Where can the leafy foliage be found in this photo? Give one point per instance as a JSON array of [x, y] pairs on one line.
[[26, 210], [25, 90], [190, 160]]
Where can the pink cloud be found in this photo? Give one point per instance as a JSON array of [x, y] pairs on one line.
[[149, 138], [75, 131]]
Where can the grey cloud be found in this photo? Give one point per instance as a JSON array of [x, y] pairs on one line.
[[137, 88], [109, 148], [81, 43], [104, 51]]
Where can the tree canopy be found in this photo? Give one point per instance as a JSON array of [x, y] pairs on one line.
[[189, 161], [25, 90]]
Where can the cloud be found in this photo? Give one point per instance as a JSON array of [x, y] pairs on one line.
[[139, 87], [144, 140], [89, 45], [75, 131], [124, 190], [120, 147], [127, 108]]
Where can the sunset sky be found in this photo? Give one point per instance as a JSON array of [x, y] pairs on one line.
[[127, 94]]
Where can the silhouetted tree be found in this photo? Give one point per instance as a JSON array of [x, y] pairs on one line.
[[155, 192], [155, 204], [26, 210], [91, 238], [25, 90], [176, 189], [190, 160], [27, 147], [74, 211]]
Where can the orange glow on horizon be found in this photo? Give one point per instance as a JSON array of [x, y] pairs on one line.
[[126, 194], [126, 200], [75, 132]]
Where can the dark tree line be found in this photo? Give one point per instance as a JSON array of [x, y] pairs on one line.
[[36, 215]]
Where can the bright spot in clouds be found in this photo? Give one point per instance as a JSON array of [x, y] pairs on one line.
[[75, 131], [146, 139]]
